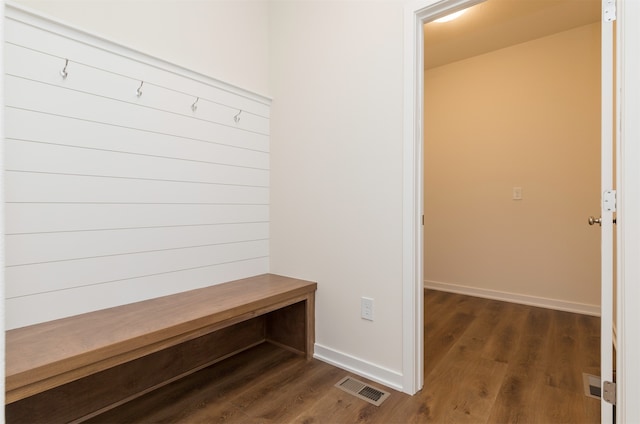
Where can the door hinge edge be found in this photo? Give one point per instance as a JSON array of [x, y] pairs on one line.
[[609, 200], [609, 11], [609, 392]]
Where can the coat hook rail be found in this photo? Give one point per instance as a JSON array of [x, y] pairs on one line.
[[139, 91], [64, 73]]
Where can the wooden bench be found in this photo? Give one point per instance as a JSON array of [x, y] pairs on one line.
[[76, 367]]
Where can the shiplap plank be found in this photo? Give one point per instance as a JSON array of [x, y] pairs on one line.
[[80, 47], [38, 278], [89, 298], [29, 187], [75, 132], [42, 157], [37, 218], [31, 95], [42, 67], [69, 246]]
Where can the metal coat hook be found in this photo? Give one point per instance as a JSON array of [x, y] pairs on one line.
[[194, 106], [139, 90], [237, 117], [64, 73]]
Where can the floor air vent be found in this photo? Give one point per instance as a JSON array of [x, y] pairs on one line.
[[592, 385], [362, 390]]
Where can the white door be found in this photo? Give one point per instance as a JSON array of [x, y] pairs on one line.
[[607, 206]]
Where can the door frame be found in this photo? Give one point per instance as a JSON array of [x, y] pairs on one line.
[[2, 197], [418, 12], [628, 284]]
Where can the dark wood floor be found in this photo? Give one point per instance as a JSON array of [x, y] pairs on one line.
[[486, 362]]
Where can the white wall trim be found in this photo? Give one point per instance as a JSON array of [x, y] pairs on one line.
[[542, 302], [2, 219], [416, 14], [389, 378], [628, 316], [412, 317]]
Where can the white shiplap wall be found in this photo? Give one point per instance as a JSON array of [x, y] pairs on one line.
[[112, 197]]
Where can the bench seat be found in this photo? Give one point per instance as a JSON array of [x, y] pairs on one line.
[[51, 354]]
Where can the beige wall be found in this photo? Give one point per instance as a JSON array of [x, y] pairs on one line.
[[336, 169], [224, 39], [525, 116]]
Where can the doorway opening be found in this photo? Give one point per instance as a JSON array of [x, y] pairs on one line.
[[512, 158], [511, 189]]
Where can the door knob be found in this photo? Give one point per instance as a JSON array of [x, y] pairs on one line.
[[593, 220]]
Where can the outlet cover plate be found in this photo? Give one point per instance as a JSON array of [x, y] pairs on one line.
[[366, 308]]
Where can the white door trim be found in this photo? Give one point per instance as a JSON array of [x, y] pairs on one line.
[[2, 253], [628, 313], [417, 13]]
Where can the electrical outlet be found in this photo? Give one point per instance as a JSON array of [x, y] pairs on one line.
[[366, 308]]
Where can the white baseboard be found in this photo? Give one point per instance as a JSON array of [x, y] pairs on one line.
[[560, 305], [358, 366]]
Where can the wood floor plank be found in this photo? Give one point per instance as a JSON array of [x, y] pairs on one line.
[[591, 408], [488, 362], [589, 339], [266, 384], [444, 306], [463, 386], [444, 331], [434, 302], [503, 341], [520, 389], [561, 407], [589, 358], [221, 413], [463, 392], [564, 370], [517, 400], [473, 340], [215, 385], [286, 393]]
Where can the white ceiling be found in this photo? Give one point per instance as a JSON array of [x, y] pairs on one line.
[[496, 24]]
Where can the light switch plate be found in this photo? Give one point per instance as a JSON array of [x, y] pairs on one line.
[[517, 193]]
